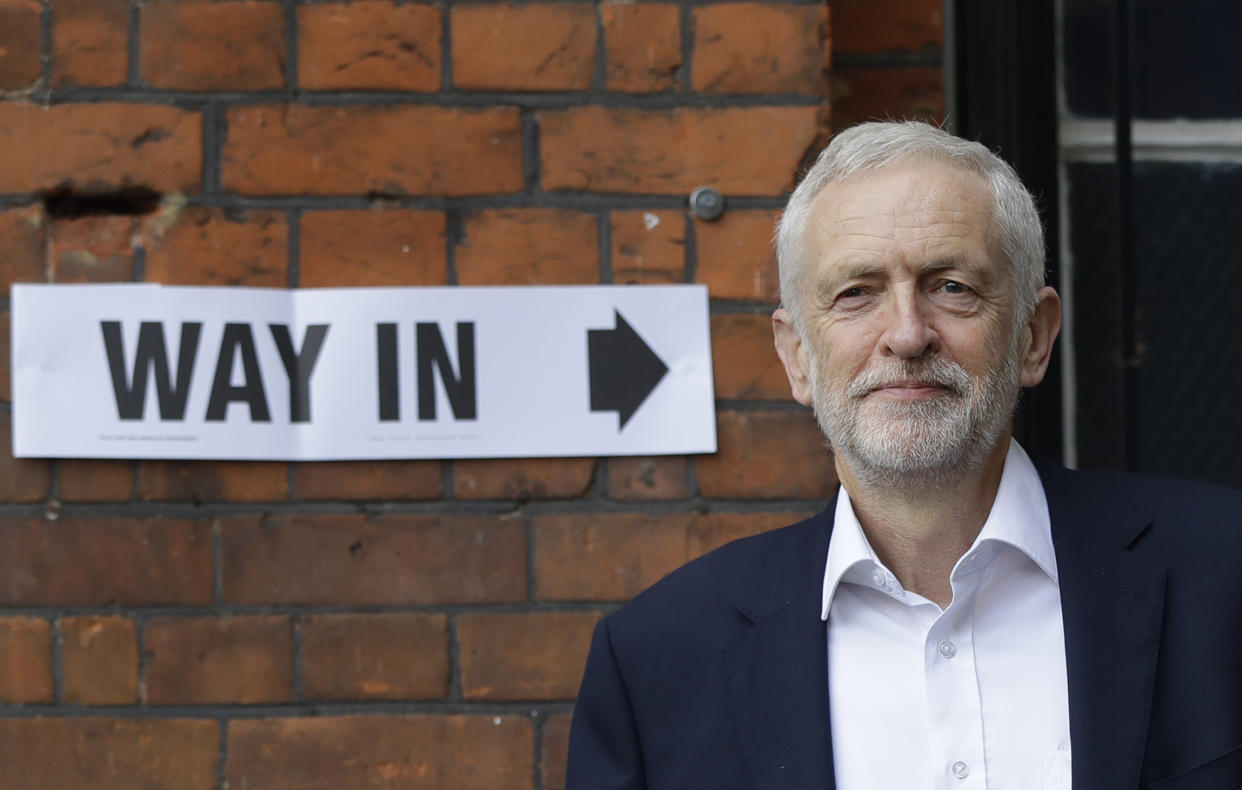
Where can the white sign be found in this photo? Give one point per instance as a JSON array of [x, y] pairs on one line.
[[151, 371]]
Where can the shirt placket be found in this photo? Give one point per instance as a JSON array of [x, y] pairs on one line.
[[954, 708]]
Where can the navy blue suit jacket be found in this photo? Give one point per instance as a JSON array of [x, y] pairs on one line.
[[716, 677]]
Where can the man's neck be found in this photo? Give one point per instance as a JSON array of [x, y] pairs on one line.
[[920, 529]]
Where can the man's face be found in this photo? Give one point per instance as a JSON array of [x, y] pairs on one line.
[[910, 351]]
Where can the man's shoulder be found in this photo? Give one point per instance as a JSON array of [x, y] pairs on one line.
[[709, 593]]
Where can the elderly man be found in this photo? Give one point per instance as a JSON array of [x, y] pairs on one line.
[[959, 616]]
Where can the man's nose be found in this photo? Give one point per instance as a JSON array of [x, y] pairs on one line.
[[908, 333]]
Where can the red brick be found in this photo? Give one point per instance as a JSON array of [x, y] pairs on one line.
[[92, 250], [642, 45], [736, 259], [213, 45], [99, 146], [874, 26], [528, 246], [20, 52], [25, 660], [213, 481], [523, 478], [657, 477], [373, 248], [744, 150], [6, 385], [428, 150], [368, 46], [536, 47], [526, 656], [774, 454], [454, 752], [375, 656], [861, 94], [369, 480], [22, 257], [100, 660], [104, 561], [209, 246], [209, 661], [90, 41], [354, 560], [744, 361], [615, 556], [555, 750], [109, 754], [21, 479], [648, 247], [760, 48], [85, 480]]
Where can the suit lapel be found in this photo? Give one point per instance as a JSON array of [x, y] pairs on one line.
[[777, 669], [1112, 604]]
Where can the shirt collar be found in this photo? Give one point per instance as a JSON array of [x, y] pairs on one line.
[[1018, 518]]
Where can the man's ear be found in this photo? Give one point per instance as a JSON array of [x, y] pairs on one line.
[[793, 356], [1039, 335]]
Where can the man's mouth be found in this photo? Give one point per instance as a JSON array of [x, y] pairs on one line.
[[911, 390]]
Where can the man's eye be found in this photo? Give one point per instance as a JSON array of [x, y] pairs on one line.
[[851, 293], [954, 287]]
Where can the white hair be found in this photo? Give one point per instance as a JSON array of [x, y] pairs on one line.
[[870, 146]]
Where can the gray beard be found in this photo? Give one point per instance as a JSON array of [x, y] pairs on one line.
[[925, 444]]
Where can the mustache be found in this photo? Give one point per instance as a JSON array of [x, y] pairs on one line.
[[932, 371]]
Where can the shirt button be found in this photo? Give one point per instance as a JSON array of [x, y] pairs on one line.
[[960, 769], [948, 650], [878, 578]]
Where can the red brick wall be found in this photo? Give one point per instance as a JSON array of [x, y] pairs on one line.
[[408, 624]]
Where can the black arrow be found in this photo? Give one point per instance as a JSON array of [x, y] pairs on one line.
[[624, 369]]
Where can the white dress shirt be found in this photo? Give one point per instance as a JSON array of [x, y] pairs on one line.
[[966, 698]]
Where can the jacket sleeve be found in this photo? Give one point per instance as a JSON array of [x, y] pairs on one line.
[[604, 748]]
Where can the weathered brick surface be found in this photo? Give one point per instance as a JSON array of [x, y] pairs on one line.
[[22, 257], [294, 149], [205, 660], [213, 45], [744, 362], [369, 480], [104, 561], [658, 477], [613, 557], [523, 478], [874, 26], [109, 754], [99, 656], [454, 752], [744, 150], [861, 94], [20, 65], [648, 247], [89, 43], [209, 246], [21, 479], [86, 480], [759, 48], [359, 561], [767, 455], [555, 750], [92, 249], [98, 145], [535, 47], [527, 656], [373, 248], [528, 246], [736, 259], [25, 660], [642, 43], [6, 384], [213, 481], [375, 656], [369, 45]]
